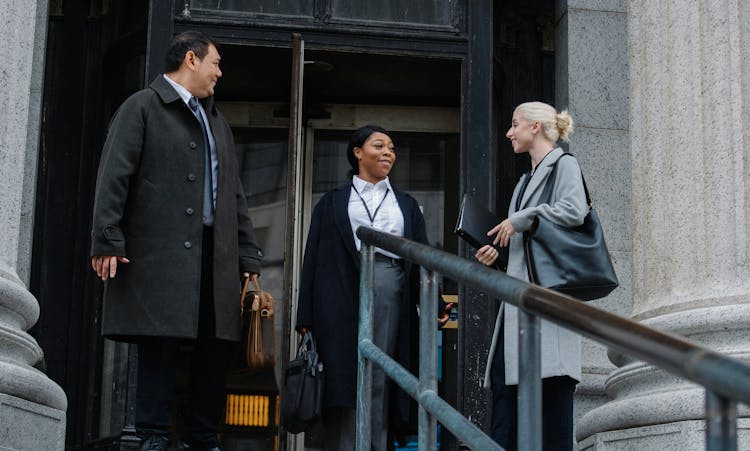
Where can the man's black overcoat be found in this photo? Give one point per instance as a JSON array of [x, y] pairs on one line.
[[149, 197]]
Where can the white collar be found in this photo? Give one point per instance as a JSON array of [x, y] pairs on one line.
[[181, 90], [360, 184]]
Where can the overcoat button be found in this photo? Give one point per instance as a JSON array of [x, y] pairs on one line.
[[188, 245], [193, 145], [260, 254], [191, 177], [189, 211]]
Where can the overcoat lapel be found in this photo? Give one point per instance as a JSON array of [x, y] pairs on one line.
[[406, 209], [340, 200], [540, 176], [405, 206]]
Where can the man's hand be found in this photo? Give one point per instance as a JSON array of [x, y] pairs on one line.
[[105, 266]]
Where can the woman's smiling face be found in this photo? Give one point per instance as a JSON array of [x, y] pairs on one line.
[[375, 157], [520, 133]]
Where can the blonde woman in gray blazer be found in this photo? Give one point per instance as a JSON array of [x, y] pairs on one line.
[[535, 130]]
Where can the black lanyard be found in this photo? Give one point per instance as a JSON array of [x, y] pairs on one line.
[[371, 216]]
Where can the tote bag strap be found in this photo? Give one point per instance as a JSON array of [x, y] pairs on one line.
[[546, 195]]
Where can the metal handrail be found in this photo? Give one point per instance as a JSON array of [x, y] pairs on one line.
[[424, 390], [726, 379]]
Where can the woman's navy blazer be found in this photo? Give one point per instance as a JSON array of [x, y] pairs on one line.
[[329, 292]]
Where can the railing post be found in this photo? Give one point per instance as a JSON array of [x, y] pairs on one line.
[[529, 382], [721, 423], [428, 302], [364, 366]]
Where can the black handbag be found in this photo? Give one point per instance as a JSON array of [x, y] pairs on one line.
[[302, 398], [571, 260]]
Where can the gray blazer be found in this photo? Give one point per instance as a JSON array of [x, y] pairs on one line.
[[561, 349]]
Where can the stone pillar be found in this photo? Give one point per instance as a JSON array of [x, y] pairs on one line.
[[690, 158], [592, 83], [32, 407]]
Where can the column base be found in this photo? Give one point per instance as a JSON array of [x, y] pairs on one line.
[[27, 425], [659, 405], [679, 436]]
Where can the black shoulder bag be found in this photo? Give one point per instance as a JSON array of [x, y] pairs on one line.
[[572, 260]]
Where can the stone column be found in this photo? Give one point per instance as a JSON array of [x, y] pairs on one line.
[[592, 83], [32, 407], [690, 157]]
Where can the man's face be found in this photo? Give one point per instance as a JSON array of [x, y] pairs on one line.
[[206, 73]]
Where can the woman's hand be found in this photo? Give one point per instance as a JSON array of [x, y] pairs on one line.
[[446, 315], [487, 255], [504, 231]]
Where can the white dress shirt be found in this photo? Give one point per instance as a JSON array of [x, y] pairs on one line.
[[389, 217]]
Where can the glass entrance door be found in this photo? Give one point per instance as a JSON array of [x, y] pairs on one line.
[[283, 182], [427, 147]]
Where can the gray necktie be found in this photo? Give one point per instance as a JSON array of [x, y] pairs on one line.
[[209, 202]]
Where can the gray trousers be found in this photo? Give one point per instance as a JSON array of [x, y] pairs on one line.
[[340, 422]]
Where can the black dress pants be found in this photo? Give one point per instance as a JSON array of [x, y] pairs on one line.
[[557, 408], [158, 362]]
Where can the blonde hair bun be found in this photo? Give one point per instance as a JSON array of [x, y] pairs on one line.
[[564, 125], [554, 125]]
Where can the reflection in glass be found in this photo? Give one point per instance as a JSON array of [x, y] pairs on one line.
[[282, 7], [114, 388], [432, 12], [262, 156]]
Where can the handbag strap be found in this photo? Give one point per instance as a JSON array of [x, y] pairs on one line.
[[546, 195], [244, 293], [307, 343], [309, 352], [256, 283]]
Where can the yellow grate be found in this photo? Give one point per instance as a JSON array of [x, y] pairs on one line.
[[247, 410]]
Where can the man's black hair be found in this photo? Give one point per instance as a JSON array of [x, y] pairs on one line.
[[357, 139], [181, 44]]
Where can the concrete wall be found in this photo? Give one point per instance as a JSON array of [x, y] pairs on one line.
[[32, 407], [592, 83], [689, 103]]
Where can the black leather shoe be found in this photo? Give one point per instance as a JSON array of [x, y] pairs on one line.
[[155, 443]]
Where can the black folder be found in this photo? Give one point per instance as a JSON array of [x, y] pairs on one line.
[[474, 221]]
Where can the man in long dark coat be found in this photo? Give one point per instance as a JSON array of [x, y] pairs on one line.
[[171, 237]]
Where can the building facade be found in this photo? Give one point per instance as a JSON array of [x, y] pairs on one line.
[[659, 92]]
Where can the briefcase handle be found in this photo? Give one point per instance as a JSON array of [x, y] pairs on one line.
[[243, 295], [254, 277]]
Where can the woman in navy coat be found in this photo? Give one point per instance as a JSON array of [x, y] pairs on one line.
[[329, 292]]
